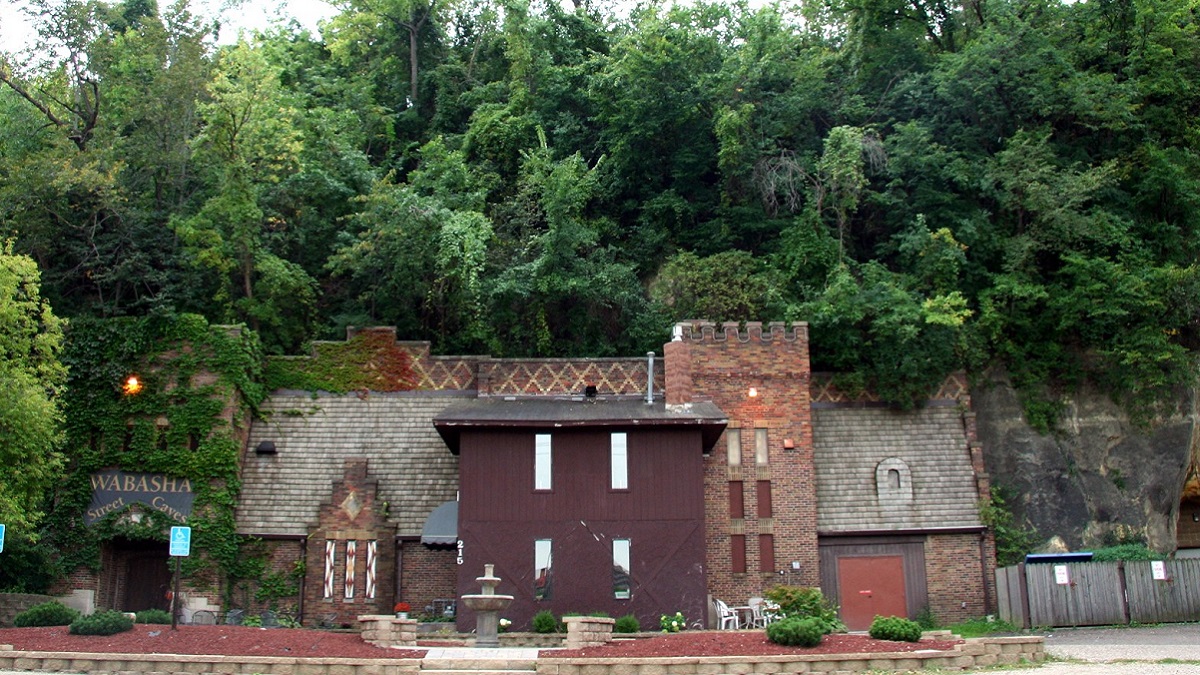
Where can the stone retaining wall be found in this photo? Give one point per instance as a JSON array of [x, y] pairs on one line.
[[164, 664], [975, 653], [12, 604]]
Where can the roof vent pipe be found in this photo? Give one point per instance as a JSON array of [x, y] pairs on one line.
[[649, 378]]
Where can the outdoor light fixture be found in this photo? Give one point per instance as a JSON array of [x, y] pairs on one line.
[[131, 386], [788, 444], [753, 392], [265, 448], [1196, 516]]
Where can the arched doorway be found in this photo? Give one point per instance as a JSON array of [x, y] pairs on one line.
[[139, 575]]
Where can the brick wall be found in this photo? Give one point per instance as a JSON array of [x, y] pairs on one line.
[[761, 380], [349, 516], [427, 574], [955, 576]]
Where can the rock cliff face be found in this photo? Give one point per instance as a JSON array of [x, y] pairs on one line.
[[1097, 480]]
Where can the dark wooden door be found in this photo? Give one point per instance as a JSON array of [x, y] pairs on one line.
[[147, 582], [871, 586]]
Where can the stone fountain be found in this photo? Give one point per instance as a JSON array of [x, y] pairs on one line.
[[487, 607]]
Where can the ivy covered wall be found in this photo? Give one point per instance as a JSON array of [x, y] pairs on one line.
[[199, 385]]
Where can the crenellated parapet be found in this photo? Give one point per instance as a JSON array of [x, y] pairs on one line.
[[700, 330]]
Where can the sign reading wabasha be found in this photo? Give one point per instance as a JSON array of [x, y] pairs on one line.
[[113, 490]]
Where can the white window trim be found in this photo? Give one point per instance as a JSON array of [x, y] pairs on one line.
[[620, 461], [543, 467]]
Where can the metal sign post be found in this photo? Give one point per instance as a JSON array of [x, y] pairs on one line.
[[181, 546]]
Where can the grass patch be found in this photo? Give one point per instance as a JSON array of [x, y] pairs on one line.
[[982, 627]]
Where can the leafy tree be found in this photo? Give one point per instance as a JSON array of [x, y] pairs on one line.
[[31, 380], [249, 142]]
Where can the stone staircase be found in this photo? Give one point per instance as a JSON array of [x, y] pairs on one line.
[[469, 661]]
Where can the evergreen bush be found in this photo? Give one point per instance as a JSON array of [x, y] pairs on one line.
[[153, 616], [101, 623], [627, 624], [797, 632], [52, 613], [895, 628], [801, 602], [544, 622]]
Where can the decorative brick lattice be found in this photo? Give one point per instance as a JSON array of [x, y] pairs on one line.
[[371, 553], [330, 559], [351, 559], [823, 390], [541, 377]]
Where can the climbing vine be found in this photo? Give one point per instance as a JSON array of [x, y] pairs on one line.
[[198, 385], [369, 360]]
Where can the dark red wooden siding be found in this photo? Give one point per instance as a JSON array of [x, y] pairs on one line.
[[661, 513]]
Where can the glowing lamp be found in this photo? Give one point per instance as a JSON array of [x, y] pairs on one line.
[[131, 386], [753, 392]]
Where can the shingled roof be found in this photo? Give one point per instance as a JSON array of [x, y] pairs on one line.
[[561, 412], [313, 435], [855, 447]]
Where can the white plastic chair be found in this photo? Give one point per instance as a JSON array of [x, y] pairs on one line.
[[726, 618], [757, 618]]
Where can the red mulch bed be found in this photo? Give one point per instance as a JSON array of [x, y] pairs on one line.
[[210, 640], [299, 642], [744, 643]]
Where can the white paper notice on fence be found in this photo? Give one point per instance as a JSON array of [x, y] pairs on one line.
[[1159, 569], [1061, 577]]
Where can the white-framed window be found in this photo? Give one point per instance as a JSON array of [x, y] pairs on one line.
[[620, 461], [542, 559], [622, 586], [541, 462]]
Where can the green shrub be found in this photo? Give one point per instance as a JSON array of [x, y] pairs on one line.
[[980, 627], [797, 632], [1125, 552], [253, 620], [627, 624], [799, 602], [101, 623], [52, 613], [153, 616], [895, 628], [673, 623], [544, 622]]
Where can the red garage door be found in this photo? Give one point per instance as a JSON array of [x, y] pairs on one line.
[[871, 586]]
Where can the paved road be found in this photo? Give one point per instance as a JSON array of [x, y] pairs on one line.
[[1121, 651]]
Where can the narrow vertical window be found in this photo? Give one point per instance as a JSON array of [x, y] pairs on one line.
[[621, 585], [737, 551], [760, 446], [737, 500], [541, 462], [620, 462], [764, 499], [733, 440], [541, 569], [766, 552]]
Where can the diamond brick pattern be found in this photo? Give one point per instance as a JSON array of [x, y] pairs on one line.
[[823, 390], [559, 377]]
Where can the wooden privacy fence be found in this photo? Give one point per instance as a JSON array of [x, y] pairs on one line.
[[1099, 593]]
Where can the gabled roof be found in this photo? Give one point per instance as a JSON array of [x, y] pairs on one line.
[[577, 412], [851, 445], [314, 435]]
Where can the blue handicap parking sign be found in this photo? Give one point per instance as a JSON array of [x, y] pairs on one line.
[[1, 537], [181, 541]]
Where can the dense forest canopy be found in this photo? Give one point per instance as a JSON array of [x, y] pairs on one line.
[[931, 185]]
